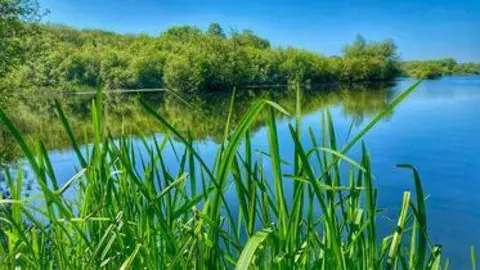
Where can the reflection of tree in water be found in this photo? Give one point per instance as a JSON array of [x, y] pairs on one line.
[[207, 120], [362, 102], [203, 116]]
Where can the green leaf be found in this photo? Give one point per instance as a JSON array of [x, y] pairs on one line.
[[249, 250]]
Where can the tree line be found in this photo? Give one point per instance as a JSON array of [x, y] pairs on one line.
[[431, 69], [187, 59], [183, 58]]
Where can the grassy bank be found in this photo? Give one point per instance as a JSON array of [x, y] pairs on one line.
[[120, 216]]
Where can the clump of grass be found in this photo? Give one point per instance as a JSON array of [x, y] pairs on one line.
[[146, 217]]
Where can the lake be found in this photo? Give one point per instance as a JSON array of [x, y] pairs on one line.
[[436, 129]]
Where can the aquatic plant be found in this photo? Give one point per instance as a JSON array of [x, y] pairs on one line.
[[122, 210]]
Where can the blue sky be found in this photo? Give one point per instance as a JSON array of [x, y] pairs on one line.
[[422, 29]]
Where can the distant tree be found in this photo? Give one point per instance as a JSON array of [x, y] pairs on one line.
[[248, 38], [215, 30], [357, 48], [16, 18], [183, 32], [387, 49], [448, 63]]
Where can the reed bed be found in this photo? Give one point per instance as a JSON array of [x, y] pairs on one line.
[[114, 214]]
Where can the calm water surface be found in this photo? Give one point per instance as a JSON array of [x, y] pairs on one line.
[[437, 129]]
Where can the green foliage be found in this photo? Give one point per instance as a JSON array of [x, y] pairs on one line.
[[188, 60], [370, 60], [432, 69], [181, 72], [216, 30], [467, 68], [16, 24], [248, 38], [184, 58], [117, 213]]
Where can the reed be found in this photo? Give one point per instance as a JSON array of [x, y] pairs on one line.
[[116, 214]]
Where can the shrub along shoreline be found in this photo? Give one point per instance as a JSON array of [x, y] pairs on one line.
[[186, 59], [189, 60]]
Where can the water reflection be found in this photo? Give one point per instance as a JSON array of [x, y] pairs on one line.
[[436, 129], [204, 117]]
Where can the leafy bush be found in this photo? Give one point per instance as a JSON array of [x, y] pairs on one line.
[[430, 69], [189, 60]]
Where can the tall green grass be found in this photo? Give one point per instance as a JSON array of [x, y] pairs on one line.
[[118, 215]]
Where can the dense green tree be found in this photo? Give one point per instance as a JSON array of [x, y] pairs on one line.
[[436, 68], [216, 30], [370, 60], [183, 33], [16, 17], [248, 38], [186, 59], [357, 48]]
